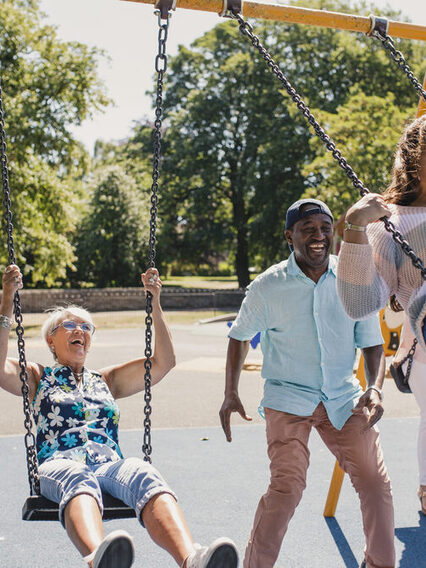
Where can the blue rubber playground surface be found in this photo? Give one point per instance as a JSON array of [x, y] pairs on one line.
[[219, 485]]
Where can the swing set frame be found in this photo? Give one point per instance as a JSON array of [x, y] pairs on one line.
[[297, 15]]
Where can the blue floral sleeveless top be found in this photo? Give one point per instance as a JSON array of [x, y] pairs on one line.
[[75, 424]]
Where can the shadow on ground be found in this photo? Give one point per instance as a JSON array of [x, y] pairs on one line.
[[414, 540]]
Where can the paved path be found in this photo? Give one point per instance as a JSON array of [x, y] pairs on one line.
[[218, 485], [190, 450]]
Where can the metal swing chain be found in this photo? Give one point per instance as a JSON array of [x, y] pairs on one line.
[[30, 443], [399, 59], [247, 30], [410, 358], [160, 68]]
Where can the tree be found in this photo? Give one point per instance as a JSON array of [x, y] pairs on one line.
[[235, 148], [48, 86], [366, 129], [113, 234]]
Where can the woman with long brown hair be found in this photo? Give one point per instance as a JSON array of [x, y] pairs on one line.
[[372, 267]]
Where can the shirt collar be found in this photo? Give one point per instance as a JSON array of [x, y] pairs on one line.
[[294, 269], [58, 365]]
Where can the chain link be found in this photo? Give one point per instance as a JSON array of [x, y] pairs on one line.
[[160, 68], [247, 30], [410, 358], [30, 443], [399, 59]]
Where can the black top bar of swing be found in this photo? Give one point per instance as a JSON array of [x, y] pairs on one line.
[[259, 9]]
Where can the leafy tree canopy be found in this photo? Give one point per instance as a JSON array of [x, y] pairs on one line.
[[48, 86], [367, 137], [238, 153], [113, 233]]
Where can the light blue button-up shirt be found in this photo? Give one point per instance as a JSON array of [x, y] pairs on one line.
[[308, 342]]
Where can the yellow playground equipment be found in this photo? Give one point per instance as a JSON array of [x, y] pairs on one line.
[[391, 325]]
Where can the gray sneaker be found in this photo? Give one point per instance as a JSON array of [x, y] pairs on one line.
[[115, 551], [222, 553]]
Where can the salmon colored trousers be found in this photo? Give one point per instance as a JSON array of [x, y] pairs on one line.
[[359, 454]]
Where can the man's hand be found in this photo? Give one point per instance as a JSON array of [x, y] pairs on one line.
[[371, 401], [232, 403]]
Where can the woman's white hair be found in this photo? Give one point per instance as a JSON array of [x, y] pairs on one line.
[[59, 314]]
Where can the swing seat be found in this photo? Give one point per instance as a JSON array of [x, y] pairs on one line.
[[38, 508]]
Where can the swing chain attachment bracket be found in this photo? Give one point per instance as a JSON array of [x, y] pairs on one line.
[[164, 7], [379, 29], [231, 8], [378, 26], [161, 58]]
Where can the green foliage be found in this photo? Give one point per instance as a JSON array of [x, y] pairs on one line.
[[44, 222], [48, 86], [366, 130], [238, 152], [113, 234]]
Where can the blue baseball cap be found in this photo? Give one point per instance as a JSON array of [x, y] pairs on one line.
[[294, 212]]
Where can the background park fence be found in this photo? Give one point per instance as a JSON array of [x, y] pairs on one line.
[[120, 299]]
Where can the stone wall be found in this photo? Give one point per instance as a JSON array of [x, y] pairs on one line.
[[120, 299]]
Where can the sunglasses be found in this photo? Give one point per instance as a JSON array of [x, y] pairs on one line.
[[70, 325]]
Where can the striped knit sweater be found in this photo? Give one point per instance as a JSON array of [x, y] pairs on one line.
[[368, 274]]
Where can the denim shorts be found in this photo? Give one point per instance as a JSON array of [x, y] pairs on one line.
[[132, 480]]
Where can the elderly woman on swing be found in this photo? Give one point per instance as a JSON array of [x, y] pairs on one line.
[[76, 415]]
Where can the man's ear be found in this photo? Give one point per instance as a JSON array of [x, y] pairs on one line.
[[288, 235]]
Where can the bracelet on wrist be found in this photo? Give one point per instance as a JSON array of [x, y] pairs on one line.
[[352, 227], [5, 322], [377, 389]]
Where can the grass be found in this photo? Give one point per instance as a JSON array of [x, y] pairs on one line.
[[112, 320], [216, 282]]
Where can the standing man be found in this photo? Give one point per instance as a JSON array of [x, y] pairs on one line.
[[309, 346]]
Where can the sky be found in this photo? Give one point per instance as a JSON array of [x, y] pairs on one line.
[[128, 32]]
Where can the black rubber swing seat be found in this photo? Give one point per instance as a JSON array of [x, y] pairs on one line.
[[38, 508]]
